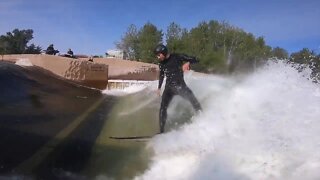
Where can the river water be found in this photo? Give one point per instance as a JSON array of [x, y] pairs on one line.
[[262, 125]]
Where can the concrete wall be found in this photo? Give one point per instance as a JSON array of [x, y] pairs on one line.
[[94, 74], [129, 70], [84, 72]]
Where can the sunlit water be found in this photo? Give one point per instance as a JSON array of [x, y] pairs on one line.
[[262, 126]]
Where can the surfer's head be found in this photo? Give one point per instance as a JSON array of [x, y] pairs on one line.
[[161, 51]]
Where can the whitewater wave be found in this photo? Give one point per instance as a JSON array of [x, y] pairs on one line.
[[263, 126]]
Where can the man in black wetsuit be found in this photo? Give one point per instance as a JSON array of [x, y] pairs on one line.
[[171, 66]]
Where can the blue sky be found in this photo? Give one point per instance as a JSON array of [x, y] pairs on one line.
[[92, 27]]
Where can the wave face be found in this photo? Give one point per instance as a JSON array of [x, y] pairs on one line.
[[35, 106], [14, 82], [260, 126], [27, 85]]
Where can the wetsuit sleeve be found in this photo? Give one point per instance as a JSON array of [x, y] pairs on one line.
[[161, 76], [190, 59]]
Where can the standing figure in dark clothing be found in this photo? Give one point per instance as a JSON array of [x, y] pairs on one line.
[[172, 66], [51, 51], [70, 53]]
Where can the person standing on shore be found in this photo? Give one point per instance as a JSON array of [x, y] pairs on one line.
[[70, 53], [172, 66], [51, 51]]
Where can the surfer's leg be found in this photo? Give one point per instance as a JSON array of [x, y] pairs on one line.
[[188, 94], [166, 99]]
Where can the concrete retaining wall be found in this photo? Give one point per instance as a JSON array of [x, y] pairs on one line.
[[84, 72], [94, 74], [129, 70]]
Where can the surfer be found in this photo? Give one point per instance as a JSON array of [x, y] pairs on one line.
[[172, 66]]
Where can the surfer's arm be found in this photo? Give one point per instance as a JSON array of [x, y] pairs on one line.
[[161, 77], [188, 60]]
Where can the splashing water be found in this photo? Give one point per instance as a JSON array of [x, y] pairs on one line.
[[262, 126]]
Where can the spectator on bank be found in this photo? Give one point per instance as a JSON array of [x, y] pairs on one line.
[[70, 53], [51, 51], [90, 59]]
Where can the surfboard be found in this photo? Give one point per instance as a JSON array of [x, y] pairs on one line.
[[133, 137]]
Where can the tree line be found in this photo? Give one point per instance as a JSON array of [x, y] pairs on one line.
[[16, 42], [219, 46], [307, 58]]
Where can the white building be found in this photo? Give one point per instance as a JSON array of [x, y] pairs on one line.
[[115, 53]]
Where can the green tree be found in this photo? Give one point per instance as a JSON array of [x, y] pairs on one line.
[[219, 46], [198, 39], [251, 52], [17, 40], [33, 49], [228, 40], [174, 37], [148, 37], [279, 53], [2, 48], [129, 43], [315, 66], [206, 41], [304, 56]]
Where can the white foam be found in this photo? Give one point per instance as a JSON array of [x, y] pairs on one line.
[[23, 62], [263, 126]]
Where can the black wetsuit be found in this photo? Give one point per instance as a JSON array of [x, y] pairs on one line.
[[175, 84]]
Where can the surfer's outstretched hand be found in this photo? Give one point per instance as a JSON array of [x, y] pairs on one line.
[[158, 91], [186, 67]]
